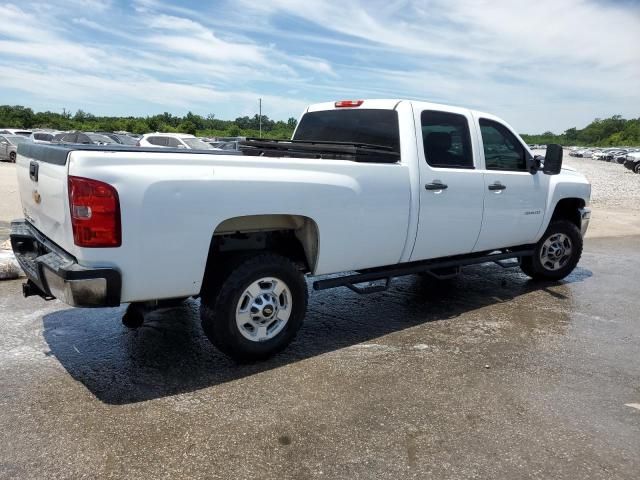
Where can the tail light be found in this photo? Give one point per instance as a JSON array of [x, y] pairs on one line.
[[348, 103], [95, 213]]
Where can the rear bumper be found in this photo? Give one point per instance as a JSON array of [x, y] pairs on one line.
[[585, 217], [53, 273]]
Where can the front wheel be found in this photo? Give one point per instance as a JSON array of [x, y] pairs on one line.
[[12, 157], [637, 168], [257, 309], [556, 254]]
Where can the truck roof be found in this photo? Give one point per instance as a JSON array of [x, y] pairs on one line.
[[391, 104]]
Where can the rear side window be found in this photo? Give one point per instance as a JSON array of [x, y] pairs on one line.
[[173, 142], [82, 138], [502, 150], [375, 127], [446, 139], [160, 141]]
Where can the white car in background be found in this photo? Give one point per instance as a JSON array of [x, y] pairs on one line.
[[173, 140], [9, 146], [15, 131], [43, 137]]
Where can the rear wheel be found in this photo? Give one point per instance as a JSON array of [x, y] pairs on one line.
[[556, 254], [637, 168], [256, 309], [12, 157]]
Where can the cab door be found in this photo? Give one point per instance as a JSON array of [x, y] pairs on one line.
[[451, 185], [514, 199]]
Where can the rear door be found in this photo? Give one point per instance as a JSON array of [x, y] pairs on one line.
[[451, 185], [42, 180], [514, 199]]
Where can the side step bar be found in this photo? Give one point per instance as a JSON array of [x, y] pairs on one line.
[[430, 266]]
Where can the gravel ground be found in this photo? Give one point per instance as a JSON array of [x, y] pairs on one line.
[[612, 185]]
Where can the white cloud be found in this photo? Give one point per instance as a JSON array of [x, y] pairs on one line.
[[501, 57], [540, 64]]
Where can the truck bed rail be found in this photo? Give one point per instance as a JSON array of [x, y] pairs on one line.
[[357, 152]]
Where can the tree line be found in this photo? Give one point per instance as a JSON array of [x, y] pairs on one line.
[[614, 131], [17, 116]]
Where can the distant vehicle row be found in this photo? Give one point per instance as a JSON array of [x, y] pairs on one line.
[[10, 139], [629, 157]]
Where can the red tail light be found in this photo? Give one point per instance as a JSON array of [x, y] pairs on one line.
[[95, 213], [348, 103]]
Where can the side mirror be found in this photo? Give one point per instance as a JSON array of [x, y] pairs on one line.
[[534, 163], [553, 159]]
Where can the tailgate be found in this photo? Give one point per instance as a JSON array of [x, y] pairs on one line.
[[42, 179]]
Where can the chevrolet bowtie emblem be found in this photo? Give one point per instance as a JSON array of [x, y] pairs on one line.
[[36, 197]]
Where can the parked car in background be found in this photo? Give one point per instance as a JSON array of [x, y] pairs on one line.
[[584, 153], [122, 139], [9, 146], [235, 146], [620, 156], [88, 138], [612, 154], [15, 131], [43, 137], [632, 162], [173, 140]]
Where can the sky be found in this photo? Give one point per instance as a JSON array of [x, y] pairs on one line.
[[541, 65]]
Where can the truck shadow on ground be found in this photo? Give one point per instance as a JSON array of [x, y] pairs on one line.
[[170, 354]]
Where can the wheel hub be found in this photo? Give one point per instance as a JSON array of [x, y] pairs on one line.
[[556, 251], [263, 309]]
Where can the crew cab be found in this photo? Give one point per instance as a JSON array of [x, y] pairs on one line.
[[366, 191]]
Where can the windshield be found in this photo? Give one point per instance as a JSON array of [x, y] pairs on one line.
[[197, 144], [16, 139], [126, 140], [97, 138], [376, 127]]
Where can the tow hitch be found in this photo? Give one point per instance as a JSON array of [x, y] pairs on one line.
[[29, 289]]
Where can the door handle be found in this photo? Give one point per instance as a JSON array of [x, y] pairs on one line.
[[436, 186], [497, 186], [33, 171]]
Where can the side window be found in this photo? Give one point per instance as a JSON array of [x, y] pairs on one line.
[[159, 141], [502, 150], [173, 142], [69, 138], [82, 138], [446, 139]]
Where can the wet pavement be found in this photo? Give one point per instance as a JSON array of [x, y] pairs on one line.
[[486, 376]]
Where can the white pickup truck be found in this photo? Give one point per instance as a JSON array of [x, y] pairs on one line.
[[369, 190]]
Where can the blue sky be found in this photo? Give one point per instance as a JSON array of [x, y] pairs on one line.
[[540, 65]]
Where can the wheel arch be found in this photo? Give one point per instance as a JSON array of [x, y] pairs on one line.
[[294, 236], [569, 209]]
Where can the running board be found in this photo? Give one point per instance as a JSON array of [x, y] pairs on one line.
[[429, 266]]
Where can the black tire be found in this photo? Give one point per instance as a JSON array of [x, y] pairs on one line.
[[222, 295], [533, 266], [12, 157], [636, 168]]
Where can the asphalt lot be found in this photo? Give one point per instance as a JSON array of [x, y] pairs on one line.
[[486, 376]]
